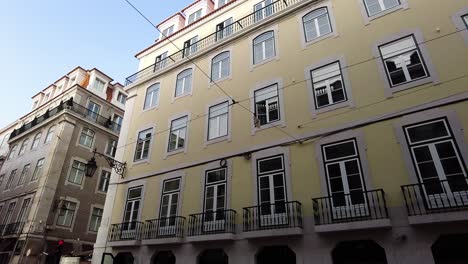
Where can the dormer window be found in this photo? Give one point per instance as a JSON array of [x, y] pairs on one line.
[[72, 81], [221, 3], [122, 98], [194, 16], [36, 103], [168, 31], [99, 85], [46, 98]]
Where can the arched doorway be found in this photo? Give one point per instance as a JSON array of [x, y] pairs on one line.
[[164, 257], [359, 252], [124, 258], [213, 256], [276, 254], [451, 249]]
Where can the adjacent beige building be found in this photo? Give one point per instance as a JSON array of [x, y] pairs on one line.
[[295, 131], [44, 193]]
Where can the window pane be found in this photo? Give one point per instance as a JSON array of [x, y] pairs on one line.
[[340, 150], [428, 131], [171, 185], [270, 164], [215, 176]]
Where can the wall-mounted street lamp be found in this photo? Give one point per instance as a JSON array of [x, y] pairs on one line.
[[91, 166]]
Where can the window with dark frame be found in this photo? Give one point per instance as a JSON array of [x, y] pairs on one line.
[[328, 86], [132, 207], [215, 194], [24, 174], [111, 147], [224, 29], [96, 218], [267, 109], [161, 61], [190, 46], [22, 215], [169, 202], [38, 170], [345, 181], [66, 214], [77, 172], [403, 61], [9, 183], [271, 183], [437, 161], [104, 181]]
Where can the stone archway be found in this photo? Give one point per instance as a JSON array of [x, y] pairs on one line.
[[164, 257], [450, 249], [275, 254], [213, 256], [124, 258], [359, 252]]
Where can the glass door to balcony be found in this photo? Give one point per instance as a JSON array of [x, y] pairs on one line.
[[169, 205], [345, 182], [440, 169], [272, 191], [444, 182], [93, 110], [214, 218], [132, 208]]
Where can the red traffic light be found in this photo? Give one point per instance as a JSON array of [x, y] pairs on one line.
[[60, 242]]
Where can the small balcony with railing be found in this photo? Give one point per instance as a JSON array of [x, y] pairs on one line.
[[437, 200], [74, 108], [212, 226], [169, 230], [353, 211], [273, 219], [236, 28], [125, 234], [12, 229]]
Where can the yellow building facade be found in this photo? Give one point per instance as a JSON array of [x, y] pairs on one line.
[[296, 131]]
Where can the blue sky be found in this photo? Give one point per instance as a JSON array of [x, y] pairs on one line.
[[43, 40]]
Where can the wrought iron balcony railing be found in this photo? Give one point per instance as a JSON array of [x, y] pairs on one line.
[[71, 105], [126, 231], [213, 222], [227, 32], [356, 206], [436, 196], [164, 227], [13, 229], [273, 216]]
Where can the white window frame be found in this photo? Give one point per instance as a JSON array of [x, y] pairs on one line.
[[38, 170], [344, 77], [106, 181], [460, 20], [111, 147], [167, 31], [221, 3], [367, 18], [217, 65], [190, 46], [263, 46], [122, 97], [263, 11], [214, 224], [91, 108], [36, 141], [432, 77], [149, 142], [11, 179], [179, 128], [166, 227], [217, 118], [152, 91], [320, 35], [12, 152], [133, 201], [160, 62], [23, 147], [24, 174], [87, 136], [91, 215], [185, 90], [194, 16], [331, 17], [77, 170], [98, 82], [50, 134], [59, 212], [224, 29]]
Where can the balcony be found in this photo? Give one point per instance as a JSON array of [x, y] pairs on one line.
[[168, 230], [12, 229], [278, 219], [229, 31], [437, 201], [357, 210], [212, 225], [125, 234], [73, 107]]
